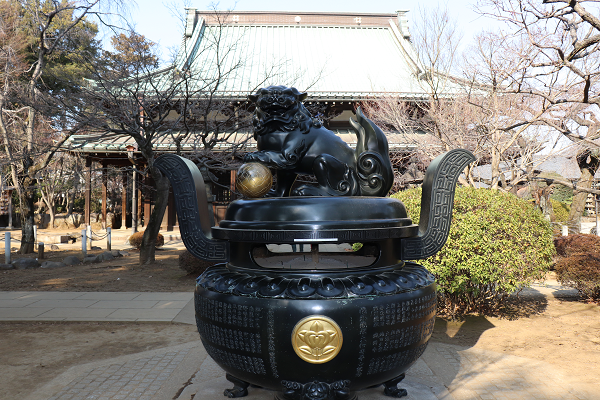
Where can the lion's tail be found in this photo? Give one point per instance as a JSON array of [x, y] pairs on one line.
[[373, 163]]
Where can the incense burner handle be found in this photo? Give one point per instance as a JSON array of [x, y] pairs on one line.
[[437, 201], [192, 208]]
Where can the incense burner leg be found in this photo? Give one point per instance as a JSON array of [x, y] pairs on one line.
[[316, 391], [240, 387], [391, 388]]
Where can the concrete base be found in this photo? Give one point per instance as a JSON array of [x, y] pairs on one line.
[[184, 372], [209, 382]]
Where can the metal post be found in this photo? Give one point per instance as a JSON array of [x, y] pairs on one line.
[[104, 194], [41, 250], [314, 249], [10, 226], [108, 243], [597, 221], [89, 236], [124, 201], [7, 247], [34, 235], [83, 243], [88, 190]]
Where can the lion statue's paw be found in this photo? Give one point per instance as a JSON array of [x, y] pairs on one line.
[[306, 190]]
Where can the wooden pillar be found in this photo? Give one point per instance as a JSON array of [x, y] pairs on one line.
[[169, 218], [172, 210], [232, 177], [124, 202], [139, 199], [88, 190], [148, 199], [104, 193], [165, 221]]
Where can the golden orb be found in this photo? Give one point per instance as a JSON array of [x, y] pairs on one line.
[[253, 180]]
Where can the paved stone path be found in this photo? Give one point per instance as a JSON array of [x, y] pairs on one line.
[[185, 372], [140, 378], [94, 306]]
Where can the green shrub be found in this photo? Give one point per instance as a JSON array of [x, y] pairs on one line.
[[497, 245], [561, 210], [560, 193], [578, 264], [136, 240]]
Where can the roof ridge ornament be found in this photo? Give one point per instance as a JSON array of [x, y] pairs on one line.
[[402, 22], [190, 21]]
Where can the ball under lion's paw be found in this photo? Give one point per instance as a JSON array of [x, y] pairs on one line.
[[253, 180]]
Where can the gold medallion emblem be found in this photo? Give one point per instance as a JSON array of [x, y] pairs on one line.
[[317, 339]]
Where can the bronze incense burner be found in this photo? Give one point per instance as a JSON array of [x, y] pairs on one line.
[[316, 326]]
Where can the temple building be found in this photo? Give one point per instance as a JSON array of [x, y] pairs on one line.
[[339, 59]]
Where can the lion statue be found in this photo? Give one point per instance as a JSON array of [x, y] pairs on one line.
[[290, 141]]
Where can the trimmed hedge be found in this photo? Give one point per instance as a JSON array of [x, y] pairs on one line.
[[567, 246], [561, 210], [578, 264], [497, 245], [136, 240], [191, 264]]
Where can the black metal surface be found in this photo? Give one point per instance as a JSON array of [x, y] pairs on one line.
[[329, 284], [314, 220], [247, 315], [437, 201], [316, 213], [190, 199], [291, 141], [341, 235], [391, 388], [247, 332], [349, 220], [316, 390], [240, 387]]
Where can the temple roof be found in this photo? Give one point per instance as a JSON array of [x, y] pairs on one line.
[[242, 141], [332, 56]]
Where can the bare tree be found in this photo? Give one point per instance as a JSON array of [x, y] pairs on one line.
[[436, 38], [507, 124], [39, 37], [471, 104], [559, 46], [55, 181], [459, 112], [185, 102]]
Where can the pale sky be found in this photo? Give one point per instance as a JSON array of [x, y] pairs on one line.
[[156, 21]]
